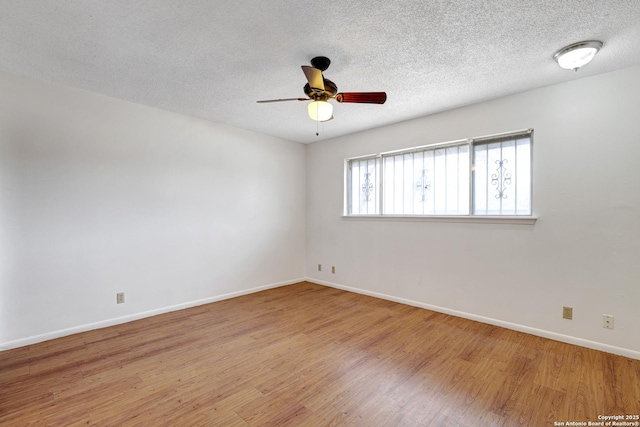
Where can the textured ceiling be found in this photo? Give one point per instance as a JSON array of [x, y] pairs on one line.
[[214, 59]]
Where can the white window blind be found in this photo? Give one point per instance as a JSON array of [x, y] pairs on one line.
[[502, 177], [363, 187], [477, 177], [427, 182]]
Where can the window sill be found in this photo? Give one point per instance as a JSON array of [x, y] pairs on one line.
[[479, 219]]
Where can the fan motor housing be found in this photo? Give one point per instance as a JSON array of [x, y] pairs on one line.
[[330, 90]]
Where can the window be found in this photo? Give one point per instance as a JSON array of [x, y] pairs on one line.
[[362, 183], [488, 176]]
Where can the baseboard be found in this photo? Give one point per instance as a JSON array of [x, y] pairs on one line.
[[136, 316], [513, 326]]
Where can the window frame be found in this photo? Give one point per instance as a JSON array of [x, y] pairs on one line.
[[529, 218]]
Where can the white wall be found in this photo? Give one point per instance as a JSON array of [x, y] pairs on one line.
[[99, 196], [584, 250]]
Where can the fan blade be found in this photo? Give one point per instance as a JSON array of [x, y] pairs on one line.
[[362, 97], [283, 99], [314, 76]]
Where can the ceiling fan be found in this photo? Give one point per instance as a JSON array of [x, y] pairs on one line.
[[319, 90]]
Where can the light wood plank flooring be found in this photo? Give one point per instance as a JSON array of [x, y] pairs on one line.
[[308, 355]]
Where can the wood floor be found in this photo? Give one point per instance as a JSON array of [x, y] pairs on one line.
[[308, 355]]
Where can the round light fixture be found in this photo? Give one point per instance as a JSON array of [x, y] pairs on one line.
[[320, 111], [578, 54]]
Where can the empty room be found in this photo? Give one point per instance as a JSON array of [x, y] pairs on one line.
[[297, 213]]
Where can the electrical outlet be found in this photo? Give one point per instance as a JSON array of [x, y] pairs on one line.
[[120, 298], [319, 267], [607, 321], [333, 270], [567, 313]]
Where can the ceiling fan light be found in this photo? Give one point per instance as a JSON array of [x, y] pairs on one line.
[[577, 55], [320, 111]]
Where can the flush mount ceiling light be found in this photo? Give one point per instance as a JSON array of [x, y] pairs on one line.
[[578, 54]]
